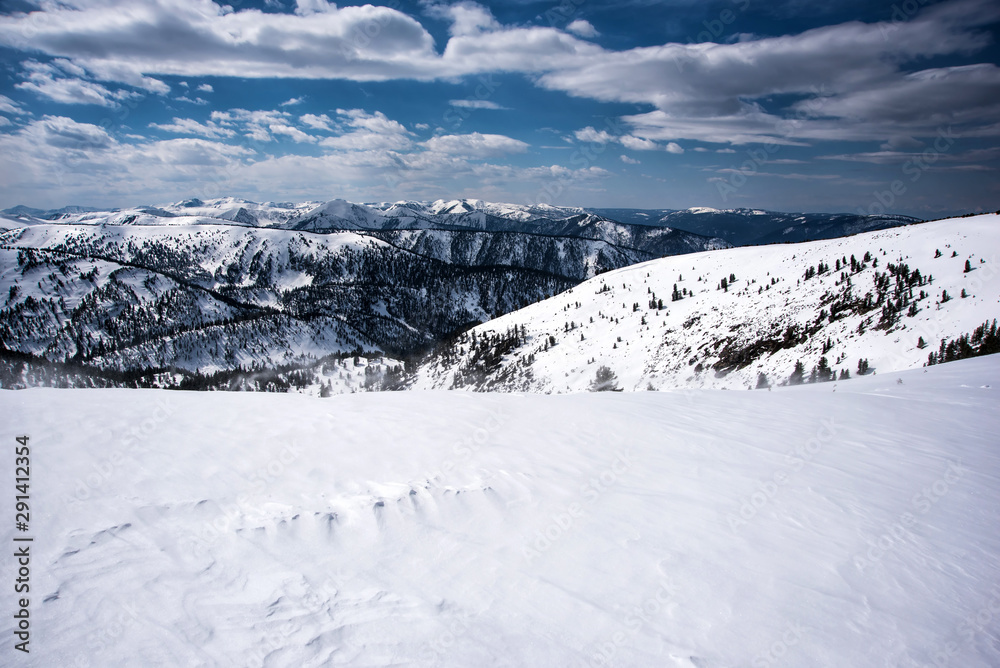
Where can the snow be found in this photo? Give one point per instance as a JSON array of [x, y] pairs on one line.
[[846, 524], [678, 345]]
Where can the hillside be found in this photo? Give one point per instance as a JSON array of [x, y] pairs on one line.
[[698, 529], [219, 296], [740, 312], [743, 227]]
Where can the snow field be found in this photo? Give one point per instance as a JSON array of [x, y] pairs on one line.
[[838, 524]]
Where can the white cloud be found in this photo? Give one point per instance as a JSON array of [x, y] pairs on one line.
[[188, 126], [629, 161], [292, 102], [57, 157], [71, 91], [69, 67], [263, 126], [321, 122], [8, 106], [582, 28], [674, 148], [205, 88], [370, 131], [592, 135], [467, 18], [475, 104], [308, 7], [294, 133], [638, 144], [475, 145], [198, 101], [65, 133], [4, 121], [125, 43]]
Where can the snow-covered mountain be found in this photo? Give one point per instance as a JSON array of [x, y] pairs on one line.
[[227, 283], [472, 215], [701, 529], [211, 297], [720, 319], [742, 227]]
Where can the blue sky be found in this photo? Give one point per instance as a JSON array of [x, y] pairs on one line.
[[786, 105]]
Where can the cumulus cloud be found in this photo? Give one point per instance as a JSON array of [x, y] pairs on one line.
[[292, 102], [65, 133], [591, 134], [126, 43], [639, 144], [467, 18], [308, 7], [849, 78], [263, 126], [582, 28], [71, 90], [321, 122], [475, 145], [60, 158], [629, 161], [188, 126], [292, 132], [369, 131], [205, 88]]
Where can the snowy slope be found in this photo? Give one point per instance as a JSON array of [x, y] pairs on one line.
[[169, 281], [725, 338], [799, 527], [742, 227]]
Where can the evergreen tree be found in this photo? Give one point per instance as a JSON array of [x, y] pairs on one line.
[[605, 380], [797, 375], [823, 371]]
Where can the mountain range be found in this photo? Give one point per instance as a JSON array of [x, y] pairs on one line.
[[229, 286]]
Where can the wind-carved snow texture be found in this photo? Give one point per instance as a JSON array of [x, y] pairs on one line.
[[721, 318], [836, 524]]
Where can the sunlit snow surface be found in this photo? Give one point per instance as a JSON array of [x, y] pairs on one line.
[[842, 524]]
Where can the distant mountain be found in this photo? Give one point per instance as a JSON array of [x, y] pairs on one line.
[[227, 284], [50, 214], [744, 227], [738, 317]]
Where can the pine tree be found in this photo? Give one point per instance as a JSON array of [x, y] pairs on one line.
[[605, 380], [823, 371], [968, 266], [797, 375]]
